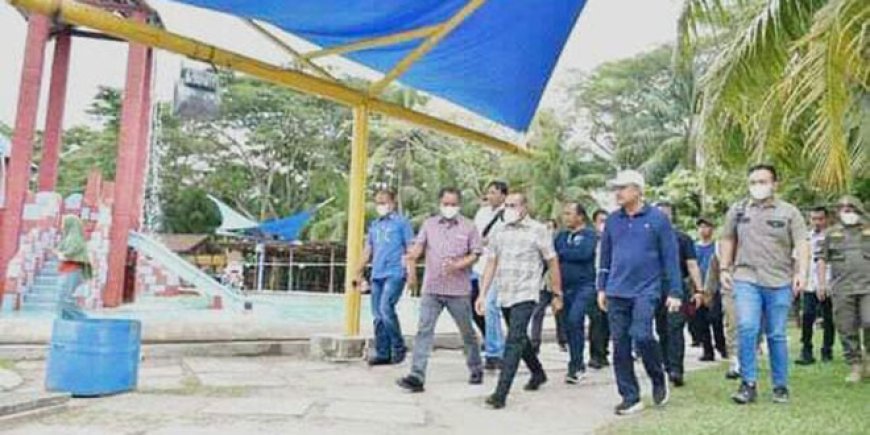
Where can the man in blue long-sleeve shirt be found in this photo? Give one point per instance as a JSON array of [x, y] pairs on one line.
[[576, 249], [638, 256]]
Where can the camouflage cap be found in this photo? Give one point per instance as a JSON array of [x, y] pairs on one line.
[[853, 201]]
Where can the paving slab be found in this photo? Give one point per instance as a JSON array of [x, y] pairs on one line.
[[161, 382], [258, 406], [45, 429], [224, 365], [252, 379], [158, 404], [376, 412], [9, 380], [16, 402]]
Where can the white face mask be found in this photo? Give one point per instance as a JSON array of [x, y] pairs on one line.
[[849, 217], [760, 192], [511, 215], [383, 209], [449, 211]]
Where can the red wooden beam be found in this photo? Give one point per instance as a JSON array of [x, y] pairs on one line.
[[18, 176], [54, 117], [125, 173]]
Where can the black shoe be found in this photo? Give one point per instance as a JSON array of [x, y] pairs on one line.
[[827, 357], [804, 361], [563, 347], [398, 357], [604, 362], [379, 361], [676, 379], [411, 384], [747, 393], [476, 378], [495, 402], [661, 394], [732, 375], [535, 382], [575, 376], [707, 357], [696, 344], [806, 358], [780, 395], [723, 353], [628, 408], [492, 363], [595, 364], [536, 348]]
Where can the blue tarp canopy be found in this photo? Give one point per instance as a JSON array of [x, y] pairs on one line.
[[495, 63]]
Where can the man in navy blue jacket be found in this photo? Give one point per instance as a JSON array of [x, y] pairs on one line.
[[576, 249], [638, 256]]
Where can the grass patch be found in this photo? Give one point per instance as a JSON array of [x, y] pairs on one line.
[[6, 364], [821, 403]]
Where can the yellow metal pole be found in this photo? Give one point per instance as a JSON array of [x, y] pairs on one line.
[[379, 41], [426, 46], [356, 217], [292, 51], [72, 12]]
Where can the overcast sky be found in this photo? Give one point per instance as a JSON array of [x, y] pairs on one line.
[[607, 30]]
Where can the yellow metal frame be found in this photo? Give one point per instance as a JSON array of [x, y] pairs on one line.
[[426, 46], [363, 103], [356, 217], [380, 41], [292, 51]]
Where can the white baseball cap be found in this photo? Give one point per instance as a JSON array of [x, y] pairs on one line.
[[626, 178]]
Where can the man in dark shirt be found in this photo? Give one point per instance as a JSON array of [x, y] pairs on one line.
[[638, 256], [576, 249], [670, 325], [599, 330]]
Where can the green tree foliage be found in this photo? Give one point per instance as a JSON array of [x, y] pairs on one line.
[[790, 81]]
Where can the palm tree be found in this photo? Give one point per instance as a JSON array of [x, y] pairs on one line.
[[792, 75]]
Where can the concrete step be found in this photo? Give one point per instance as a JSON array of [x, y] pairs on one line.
[[44, 288], [47, 280], [39, 306], [19, 403], [40, 297]]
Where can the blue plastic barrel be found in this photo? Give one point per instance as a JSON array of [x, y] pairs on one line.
[[93, 357]]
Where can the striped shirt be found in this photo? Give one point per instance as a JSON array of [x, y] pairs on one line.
[[442, 240], [521, 249]]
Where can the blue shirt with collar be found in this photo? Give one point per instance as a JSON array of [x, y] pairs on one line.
[[388, 239], [576, 251], [639, 255]]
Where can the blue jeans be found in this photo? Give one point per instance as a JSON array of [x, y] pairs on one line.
[[389, 342], [631, 321], [753, 303], [577, 302], [493, 341], [67, 307]]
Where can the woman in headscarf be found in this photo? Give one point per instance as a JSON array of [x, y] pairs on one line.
[[75, 267]]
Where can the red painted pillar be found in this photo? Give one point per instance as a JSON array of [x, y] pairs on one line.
[[54, 117], [144, 143], [125, 174], [18, 175]]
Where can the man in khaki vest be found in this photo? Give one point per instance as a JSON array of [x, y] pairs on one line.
[[846, 248]]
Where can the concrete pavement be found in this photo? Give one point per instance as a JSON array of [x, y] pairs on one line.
[[206, 395]]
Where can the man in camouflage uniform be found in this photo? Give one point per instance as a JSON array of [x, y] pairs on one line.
[[846, 248]]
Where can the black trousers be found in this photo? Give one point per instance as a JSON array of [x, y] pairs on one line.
[[669, 328], [477, 318], [599, 333], [517, 346], [544, 301], [712, 327], [812, 309]]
